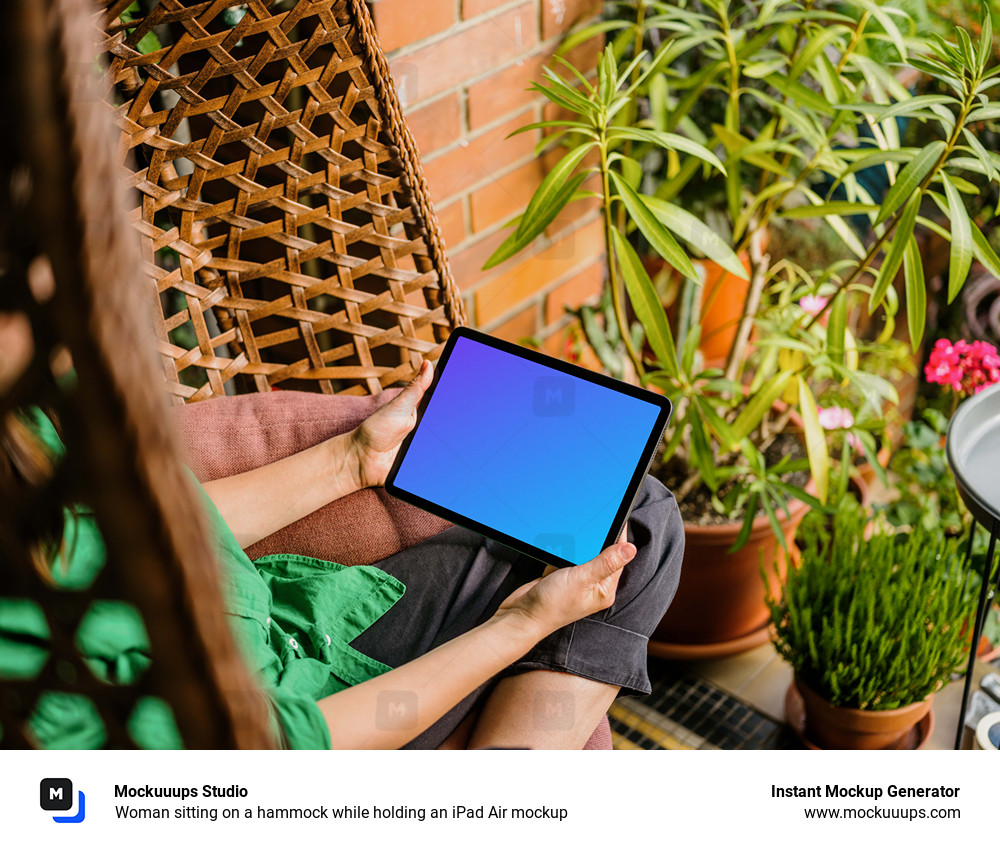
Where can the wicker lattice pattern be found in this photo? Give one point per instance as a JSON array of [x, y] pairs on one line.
[[283, 215]]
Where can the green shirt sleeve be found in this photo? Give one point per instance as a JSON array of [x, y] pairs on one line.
[[292, 617]]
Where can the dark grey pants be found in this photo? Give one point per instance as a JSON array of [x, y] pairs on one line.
[[457, 579]]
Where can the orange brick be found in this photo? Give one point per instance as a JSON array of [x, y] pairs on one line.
[[506, 91], [402, 22], [506, 197], [436, 125], [524, 324], [467, 264], [518, 284], [451, 218], [559, 15], [484, 155], [495, 41], [577, 290], [472, 8]]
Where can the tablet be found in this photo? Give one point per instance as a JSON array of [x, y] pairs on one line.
[[541, 455]]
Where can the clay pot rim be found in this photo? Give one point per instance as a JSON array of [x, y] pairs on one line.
[[861, 713], [761, 525]]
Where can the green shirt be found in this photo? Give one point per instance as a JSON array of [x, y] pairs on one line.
[[293, 617]]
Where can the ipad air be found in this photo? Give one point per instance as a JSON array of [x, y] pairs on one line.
[[541, 455]]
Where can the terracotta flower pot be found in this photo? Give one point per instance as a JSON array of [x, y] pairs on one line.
[[834, 728], [720, 598], [722, 300]]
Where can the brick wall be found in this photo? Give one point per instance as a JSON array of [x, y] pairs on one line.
[[461, 69]]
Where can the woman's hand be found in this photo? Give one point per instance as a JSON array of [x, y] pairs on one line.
[[571, 593], [374, 443]]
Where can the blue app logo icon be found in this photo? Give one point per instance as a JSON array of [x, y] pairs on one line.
[[56, 795]]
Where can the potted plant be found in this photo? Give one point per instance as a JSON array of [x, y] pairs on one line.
[[872, 622], [745, 439], [924, 490]]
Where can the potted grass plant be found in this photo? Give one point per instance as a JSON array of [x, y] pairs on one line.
[[747, 438], [873, 624]]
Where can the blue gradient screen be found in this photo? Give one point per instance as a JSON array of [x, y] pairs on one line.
[[536, 454]]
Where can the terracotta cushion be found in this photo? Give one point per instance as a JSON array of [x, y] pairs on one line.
[[232, 435], [601, 739]]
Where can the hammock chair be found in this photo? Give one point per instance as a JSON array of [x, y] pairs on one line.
[[281, 236]]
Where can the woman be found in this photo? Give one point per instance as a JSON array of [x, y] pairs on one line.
[[455, 643]]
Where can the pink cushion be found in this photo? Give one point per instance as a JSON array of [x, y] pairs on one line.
[[231, 435], [601, 739]]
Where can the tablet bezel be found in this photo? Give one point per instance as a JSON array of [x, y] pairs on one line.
[[628, 499]]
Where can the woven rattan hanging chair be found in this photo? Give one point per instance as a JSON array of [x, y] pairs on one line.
[[284, 238], [283, 215]]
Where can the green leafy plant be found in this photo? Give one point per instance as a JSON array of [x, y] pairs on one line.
[[807, 66], [873, 622]]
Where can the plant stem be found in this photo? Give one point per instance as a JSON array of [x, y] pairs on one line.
[[758, 278], [609, 253]]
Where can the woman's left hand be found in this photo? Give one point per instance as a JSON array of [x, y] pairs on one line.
[[376, 441]]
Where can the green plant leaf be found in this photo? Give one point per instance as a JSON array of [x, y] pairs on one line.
[[887, 23], [819, 460], [589, 32], [798, 93], [981, 153], [984, 113], [701, 453], [747, 527], [697, 234], [893, 258], [551, 188], [960, 260], [578, 126], [909, 179], [717, 424], [669, 141], [646, 303], [830, 208], [543, 216], [836, 327], [759, 404], [916, 292], [649, 225], [741, 148], [984, 252]]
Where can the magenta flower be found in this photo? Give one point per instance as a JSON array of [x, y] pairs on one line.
[[813, 304], [966, 367]]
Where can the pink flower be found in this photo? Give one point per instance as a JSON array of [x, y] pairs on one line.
[[836, 418], [832, 418], [965, 367], [813, 304]]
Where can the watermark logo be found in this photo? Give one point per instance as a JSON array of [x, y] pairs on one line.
[[554, 711], [555, 395], [396, 710], [561, 545], [56, 795]]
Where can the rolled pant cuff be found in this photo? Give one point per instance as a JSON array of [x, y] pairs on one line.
[[594, 650]]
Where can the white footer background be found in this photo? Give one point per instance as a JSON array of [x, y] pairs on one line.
[[657, 799]]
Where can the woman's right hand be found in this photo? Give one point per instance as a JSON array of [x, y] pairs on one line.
[[570, 593]]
